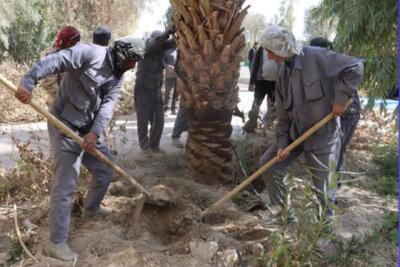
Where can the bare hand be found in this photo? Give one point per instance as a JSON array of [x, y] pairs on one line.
[[89, 142], [23, 94], [282, 154], [252, 87], [338, 110]]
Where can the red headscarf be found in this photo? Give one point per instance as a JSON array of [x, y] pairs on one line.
[[67, 37]]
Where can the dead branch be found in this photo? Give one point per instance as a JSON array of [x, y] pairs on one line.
[[20, 236]]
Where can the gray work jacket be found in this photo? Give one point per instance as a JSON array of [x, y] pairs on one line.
[[306, 90], [89, 89]]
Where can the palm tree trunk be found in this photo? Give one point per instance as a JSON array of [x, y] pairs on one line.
[[210, 40]]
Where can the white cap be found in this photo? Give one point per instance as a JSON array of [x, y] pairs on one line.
[[281, 42]]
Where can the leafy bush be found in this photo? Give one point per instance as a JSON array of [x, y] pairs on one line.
[[386, 157], [389, 228], [29, 30], [366, 29], [303, 222]]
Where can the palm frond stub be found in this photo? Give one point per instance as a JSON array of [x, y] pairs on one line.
[[210, 41]]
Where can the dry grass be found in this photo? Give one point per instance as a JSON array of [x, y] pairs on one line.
[[11, 109], [30, 179]]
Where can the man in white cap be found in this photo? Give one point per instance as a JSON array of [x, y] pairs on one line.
[[312, 82]]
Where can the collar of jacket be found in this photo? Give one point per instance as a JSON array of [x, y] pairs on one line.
[[111, 61]]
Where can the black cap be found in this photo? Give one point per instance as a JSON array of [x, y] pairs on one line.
[[321, 42], [101, 36]]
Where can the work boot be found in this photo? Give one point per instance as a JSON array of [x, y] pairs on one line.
[[239, 113], [100, 212], [251, 125], [176, 142], [60, 251]]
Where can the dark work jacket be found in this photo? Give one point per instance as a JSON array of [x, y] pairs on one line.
[[149, 75], [252, 52]]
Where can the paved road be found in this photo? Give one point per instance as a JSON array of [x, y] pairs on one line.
[[125, 141]]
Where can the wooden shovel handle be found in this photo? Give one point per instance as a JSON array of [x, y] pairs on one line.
[[68, 132], [270, 163]]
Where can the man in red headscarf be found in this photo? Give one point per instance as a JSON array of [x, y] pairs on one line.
[[66, 38]]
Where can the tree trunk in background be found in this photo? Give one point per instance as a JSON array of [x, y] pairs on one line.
[[210, 41], [120, 16]]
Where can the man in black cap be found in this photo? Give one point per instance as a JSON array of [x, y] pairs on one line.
[[101, 36], [85, 103], [147, 90]]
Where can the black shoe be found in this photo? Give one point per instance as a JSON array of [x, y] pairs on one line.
[[239, 114]]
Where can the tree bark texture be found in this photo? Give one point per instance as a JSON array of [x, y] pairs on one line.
[[210, 40]]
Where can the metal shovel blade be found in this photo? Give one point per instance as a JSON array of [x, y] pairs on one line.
[[161, 195]]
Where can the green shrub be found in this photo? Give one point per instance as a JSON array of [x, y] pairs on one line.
[[389, 228], [303, 222], [28, 29], [386, 157]]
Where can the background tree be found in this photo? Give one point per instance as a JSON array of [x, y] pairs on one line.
[[286, 17], [25, 31], [316, 26], [210, 40], [367, 29], [121, 16], [28, 27], [254, 25]]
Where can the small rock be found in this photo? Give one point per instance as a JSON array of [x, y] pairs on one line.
[[204, 250], [119, 188], [326, 247], [257, 233], [228, 258], [4, 257], [344, 236], [163, 194], [257, 249]]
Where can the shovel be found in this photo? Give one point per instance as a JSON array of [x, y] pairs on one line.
[[155, 197], [269, 164]]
